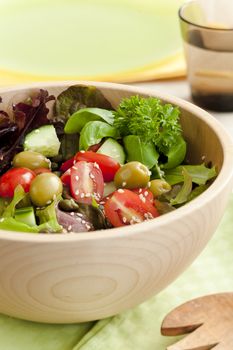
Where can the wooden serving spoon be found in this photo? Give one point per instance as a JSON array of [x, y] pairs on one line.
[[209, 318]]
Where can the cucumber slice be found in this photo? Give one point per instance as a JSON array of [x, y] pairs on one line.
[[109, 187], [113, 149], [26, 215], [43, 140]]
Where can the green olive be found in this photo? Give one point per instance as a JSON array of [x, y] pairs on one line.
[[132, 175], [159, 187], [44, 188], [31, 160]]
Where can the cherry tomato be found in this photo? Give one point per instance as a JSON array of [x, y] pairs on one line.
[[65, 178], [14, 177], [108, 165], [125, 207], [67, 164], [86, 182], [144, 194], [39, 171]]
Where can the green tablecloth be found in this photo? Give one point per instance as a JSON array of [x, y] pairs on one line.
[[137, 329]]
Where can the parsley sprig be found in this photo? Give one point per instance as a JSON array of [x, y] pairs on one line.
[[149, 119]]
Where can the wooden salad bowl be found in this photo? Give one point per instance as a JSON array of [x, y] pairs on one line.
[[67, 278]]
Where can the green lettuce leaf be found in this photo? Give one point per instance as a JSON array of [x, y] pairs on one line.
[[137, 150], [185, 191], [200, 174], [77, 120], [9, 223], [93, 132], [48, 219], [19, 194], [197, 191], [176, 154], [77, 97]]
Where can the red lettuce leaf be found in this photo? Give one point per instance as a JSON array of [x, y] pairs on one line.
[[27, 115]]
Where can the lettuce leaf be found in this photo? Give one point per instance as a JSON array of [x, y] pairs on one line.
[[77, 120], [183, 194], [77, 97], [19, 194], [137, 150], [93, 132], [27, 115], [48, 219], [200, 174]]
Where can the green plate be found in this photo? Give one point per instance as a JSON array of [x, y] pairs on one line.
[[87, 38]]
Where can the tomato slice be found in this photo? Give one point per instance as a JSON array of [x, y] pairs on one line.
[[67, 164], [145, 195], [86, 182], [65, 178], [108, 165], [14, 177], [125, 207]]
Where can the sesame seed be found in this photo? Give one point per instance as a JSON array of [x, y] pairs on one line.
[[131, 222], [102, 202], [149, 172], [146, 193], [54, 197], [48, 202], [88, 226], [143, 199], [123, 184], [124, 219], [149, 184], [74, 167], [74, 162], [82, 151], [69, 228], [120, 190], [96, 165], [77, 192], [80, 215], [82, 195], [72, 213], [83, 222], [68, 171], [88, 195], [77, 177], [140, 190], [92, 176]]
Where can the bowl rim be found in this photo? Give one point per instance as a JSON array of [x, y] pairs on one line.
[[224, 178]]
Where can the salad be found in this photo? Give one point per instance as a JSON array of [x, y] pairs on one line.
[[84, 166]]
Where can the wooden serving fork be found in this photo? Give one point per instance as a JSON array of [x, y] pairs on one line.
[[209, 319]]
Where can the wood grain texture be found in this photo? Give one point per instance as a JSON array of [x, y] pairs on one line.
[[77, 277], [210, 320]]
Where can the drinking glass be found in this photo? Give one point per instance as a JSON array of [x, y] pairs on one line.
[[207, 31]]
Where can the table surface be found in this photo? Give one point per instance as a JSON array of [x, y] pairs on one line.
[[180, 88]]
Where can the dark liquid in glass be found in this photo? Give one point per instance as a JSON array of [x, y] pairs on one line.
[[210, 71]]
